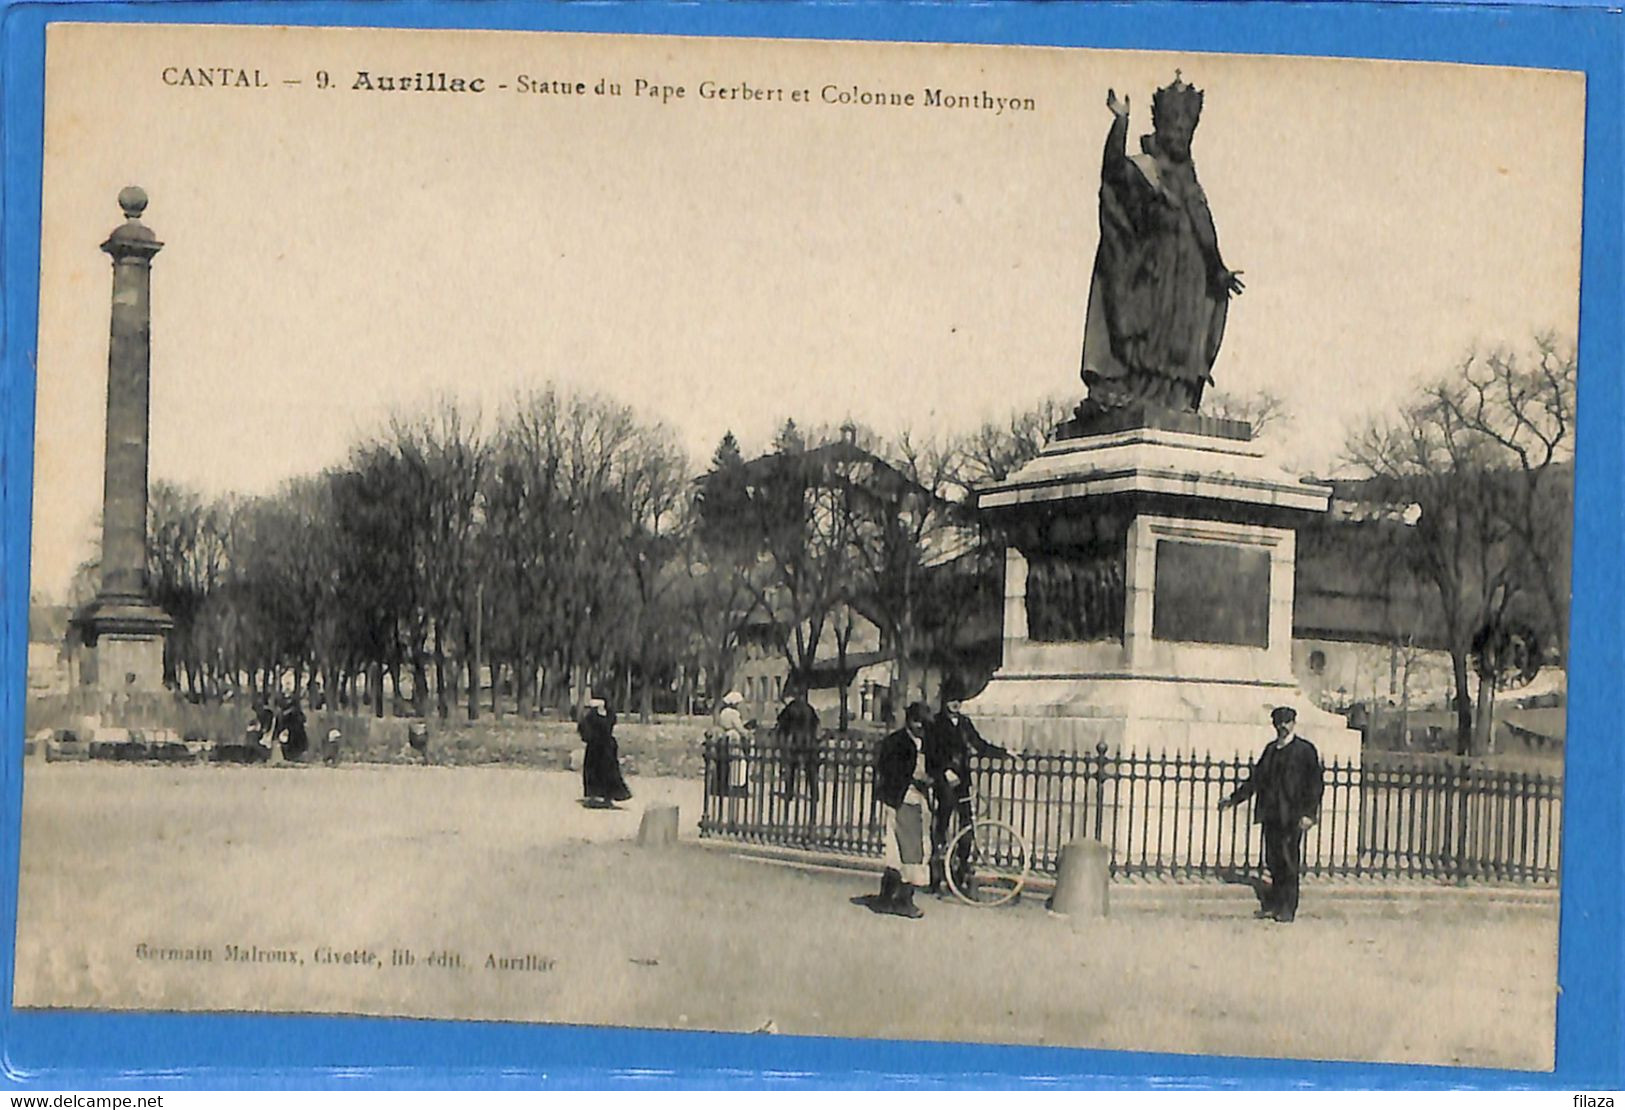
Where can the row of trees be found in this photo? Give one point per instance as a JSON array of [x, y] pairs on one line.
[[568, 546], [543, 548], [572, 545]]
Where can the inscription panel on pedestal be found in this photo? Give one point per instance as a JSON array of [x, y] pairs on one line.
[[1211, 593]]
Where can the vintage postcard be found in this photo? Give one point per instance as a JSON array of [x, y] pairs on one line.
[[956, 543]]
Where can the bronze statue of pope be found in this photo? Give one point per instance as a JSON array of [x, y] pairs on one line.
[[1160, 291]]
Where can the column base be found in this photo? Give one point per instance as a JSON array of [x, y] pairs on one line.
[[124, 641]]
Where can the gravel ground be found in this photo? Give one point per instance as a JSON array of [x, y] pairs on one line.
[[540, 910]]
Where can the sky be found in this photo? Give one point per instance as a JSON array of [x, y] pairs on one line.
[[333, 255]]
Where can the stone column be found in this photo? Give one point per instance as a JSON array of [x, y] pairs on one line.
[[124, 492], [122, 625]]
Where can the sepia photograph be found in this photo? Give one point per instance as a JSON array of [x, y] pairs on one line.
[[1000, 545]]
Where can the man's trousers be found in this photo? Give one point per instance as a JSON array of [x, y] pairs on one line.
[[1283, 855]]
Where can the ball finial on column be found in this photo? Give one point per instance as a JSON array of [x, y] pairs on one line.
[[133, 199]]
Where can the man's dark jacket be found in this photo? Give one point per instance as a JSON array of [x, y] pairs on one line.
[[894, 767], [798, 725], [948, 747], [1286, 784]]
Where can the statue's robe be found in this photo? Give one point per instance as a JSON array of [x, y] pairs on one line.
[[1157, 301]]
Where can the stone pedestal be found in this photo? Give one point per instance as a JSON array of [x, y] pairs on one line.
[[125, 663], [1148, 594], [1148, 612]]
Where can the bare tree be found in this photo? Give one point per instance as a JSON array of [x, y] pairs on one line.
[[903, 520], [998, 449], [185, 564], [1524, 406], [719, 559], [651, 489], [1460, 542], [445, 457], [1261, 408], [776, 521]]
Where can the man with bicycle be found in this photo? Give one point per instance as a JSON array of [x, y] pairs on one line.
[[950, 740]]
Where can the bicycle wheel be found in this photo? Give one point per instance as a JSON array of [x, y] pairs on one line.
[[987, 864]]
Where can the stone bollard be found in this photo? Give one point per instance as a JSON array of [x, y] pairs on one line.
[[1082, 880], [417, 739], [658, 827]]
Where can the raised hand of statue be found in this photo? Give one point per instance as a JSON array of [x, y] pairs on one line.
[[1232, 283], [1119, 107]]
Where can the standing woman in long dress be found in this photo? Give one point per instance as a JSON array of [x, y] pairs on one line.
[[601, 781]]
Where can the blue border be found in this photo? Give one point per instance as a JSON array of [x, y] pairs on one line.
[[61, 1051]]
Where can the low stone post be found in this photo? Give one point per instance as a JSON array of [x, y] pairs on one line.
[[658, 828], [1082, 880], [417, 739]]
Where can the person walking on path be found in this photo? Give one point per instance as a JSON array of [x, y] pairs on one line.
[[601, 781], [1286, 784], [949, 744], [904, 786]]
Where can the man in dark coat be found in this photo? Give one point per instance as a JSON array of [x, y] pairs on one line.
[[949, 744], [903, 786], [797, 730], [1286, 784]]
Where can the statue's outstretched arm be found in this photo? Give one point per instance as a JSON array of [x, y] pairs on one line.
[[1115, 167]]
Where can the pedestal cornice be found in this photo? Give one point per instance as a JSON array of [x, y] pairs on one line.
[[1157, 462], [122, 615]]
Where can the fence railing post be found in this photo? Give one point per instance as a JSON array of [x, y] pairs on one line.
[[707, 757], [1100, 794]]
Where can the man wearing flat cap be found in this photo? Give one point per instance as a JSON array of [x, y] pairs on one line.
[[1285, 784]]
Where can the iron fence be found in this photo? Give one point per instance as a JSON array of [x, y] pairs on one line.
[[1386, 817]]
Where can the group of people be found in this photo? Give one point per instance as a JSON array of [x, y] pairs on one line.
[[923, 779], [284, 722], [282, 729], [795, 733]]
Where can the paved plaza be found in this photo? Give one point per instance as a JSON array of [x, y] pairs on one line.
[[515, 903]]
